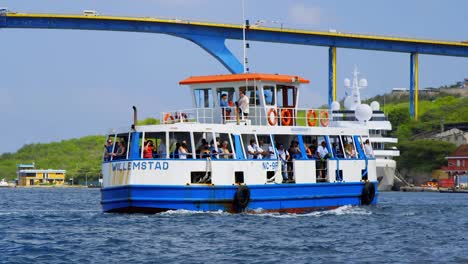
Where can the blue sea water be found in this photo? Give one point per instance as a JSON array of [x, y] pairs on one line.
[[58, 225]]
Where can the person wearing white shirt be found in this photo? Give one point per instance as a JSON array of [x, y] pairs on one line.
[[243, 104], [252, 150], [283, 156], [322, 153]]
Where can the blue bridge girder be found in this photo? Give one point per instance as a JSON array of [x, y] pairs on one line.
[[212, 37]]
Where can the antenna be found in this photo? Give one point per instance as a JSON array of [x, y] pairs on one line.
[[244, 44]]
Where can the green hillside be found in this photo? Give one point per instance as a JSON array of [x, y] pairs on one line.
[[419, 155], [79, 157]]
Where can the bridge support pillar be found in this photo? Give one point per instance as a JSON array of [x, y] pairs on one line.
[[216, 47], [413, 90], [331, 76]]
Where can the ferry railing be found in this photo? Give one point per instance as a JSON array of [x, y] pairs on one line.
[[281, 116], [262, 116], [194, 115]]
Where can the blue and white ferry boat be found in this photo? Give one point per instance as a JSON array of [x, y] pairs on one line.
[[270, 156]]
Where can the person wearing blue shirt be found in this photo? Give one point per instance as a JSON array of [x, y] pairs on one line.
[[223, 103]]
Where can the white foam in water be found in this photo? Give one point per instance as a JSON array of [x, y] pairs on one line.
[[188, 212], [342, 210]]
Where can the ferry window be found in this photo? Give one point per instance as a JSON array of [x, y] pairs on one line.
[[205, 144], [336, 147], [349, 148], [203, 97], [286, 96], [109, 147], [159, 144], [266, 146], [288, 141], [225, 148], [121, 147], [252, 93], [269, 93], [230, 92], [180, 145], [250, 151]]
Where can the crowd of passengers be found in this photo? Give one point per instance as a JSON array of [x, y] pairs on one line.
[[216, 150]]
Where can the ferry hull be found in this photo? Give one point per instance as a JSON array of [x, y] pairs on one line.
[[290, 198]]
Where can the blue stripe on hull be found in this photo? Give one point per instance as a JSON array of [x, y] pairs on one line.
[[274, 197]]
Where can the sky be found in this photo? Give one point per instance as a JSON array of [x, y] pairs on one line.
[[61, 84]]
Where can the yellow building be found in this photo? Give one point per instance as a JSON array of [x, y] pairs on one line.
[[27, 175]]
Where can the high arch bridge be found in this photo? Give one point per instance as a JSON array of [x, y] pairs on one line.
[[212, 37]]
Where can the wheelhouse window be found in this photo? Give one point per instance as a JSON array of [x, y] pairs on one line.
[[269, 93], [252, 93], [286, 96], [180, 145], [231, 95], [203, 97]]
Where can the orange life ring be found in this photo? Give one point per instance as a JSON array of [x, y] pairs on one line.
[[324, 121], [272, 121], [167, 117], [312, 121], [286, 117]]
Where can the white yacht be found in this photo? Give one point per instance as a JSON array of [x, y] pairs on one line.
[[378, 127], [4, 183]]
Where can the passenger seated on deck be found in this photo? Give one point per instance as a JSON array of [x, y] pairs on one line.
[[161, 149], [224, 151], [205, 150], [310, 151], [148, 149], [213, 151], [350, 153], [252, 150], [121, 152], [183, 150]]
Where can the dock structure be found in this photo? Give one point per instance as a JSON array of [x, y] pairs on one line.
[[212, 37], [28, 175]]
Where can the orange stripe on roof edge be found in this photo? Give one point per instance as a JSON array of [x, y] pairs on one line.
[[243, 77]]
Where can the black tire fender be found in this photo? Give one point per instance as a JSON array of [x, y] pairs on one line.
[[368, 193], [242, 197]]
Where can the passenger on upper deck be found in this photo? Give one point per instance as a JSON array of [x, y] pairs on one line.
[[243, 104], [223, 103], [109, 146], [148, 150]]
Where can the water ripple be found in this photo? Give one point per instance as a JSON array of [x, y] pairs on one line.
[[67, 225]]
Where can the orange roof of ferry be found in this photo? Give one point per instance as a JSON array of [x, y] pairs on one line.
[[243, 77]]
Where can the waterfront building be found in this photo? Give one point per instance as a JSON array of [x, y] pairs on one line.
[[28, 175], [457, 162]]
